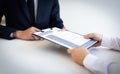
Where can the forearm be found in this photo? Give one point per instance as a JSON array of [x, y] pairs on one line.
[[111, 42], [6, 31], [55, 19], [95, 65]]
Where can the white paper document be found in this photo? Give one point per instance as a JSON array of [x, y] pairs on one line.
[[65, 38]]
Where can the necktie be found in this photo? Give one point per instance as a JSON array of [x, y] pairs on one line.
[[30, 4]]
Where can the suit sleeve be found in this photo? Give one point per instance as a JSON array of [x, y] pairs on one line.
[[4, 31], [55, 19], [1, 10]]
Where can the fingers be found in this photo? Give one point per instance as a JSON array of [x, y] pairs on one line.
[[69, 51], [64, 29], [37, 38], [27, 34], [30, 38], [34, 29], [78, 54], [79, 49], [88, 36]]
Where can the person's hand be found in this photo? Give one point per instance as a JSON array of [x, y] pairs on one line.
[[95, 36], [78, 54], [27, 34], [64, 29]]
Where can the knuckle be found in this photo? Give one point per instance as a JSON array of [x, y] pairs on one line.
[[32, 28]]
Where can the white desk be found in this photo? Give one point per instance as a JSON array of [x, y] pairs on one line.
[[41, 57]]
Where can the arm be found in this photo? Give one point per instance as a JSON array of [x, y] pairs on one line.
[[8, 32], [91, 62], [55, 19], [98, 66], [95, 64], [107, 41], [1, 9], [5, 32], [111, 42], [27, 34]]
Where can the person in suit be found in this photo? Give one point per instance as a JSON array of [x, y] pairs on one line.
[[23, 18], [92, 62], [1, 7]]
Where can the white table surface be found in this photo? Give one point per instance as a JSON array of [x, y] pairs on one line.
[[43, 57]]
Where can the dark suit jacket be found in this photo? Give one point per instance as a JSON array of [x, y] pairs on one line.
[[18, 16]]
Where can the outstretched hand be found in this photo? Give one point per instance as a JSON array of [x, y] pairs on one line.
[[27, 34], [95, 36], [78, 54]]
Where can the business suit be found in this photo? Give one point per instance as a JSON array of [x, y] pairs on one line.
[[18, 16], [3, 30], [1, 2]]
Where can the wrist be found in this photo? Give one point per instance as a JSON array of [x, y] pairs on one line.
[[16, 34], [84, 56], [80, 55]]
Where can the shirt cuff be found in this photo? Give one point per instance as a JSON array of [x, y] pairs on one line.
[[11, 35], [89, 60], [106, 41]]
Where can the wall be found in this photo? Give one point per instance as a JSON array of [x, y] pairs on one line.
[[85, 16]]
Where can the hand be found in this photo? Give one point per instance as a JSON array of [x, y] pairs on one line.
[[26, 34], [94, 36], [78, 54], [64, 29]]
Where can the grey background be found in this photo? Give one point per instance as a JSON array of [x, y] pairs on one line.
[[86, 16]]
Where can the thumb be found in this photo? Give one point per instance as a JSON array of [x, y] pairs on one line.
[[86, 36], [37, 30], [69, 51]]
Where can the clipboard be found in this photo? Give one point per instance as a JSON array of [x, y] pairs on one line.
[[67, 39]]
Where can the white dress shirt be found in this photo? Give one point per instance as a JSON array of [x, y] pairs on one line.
[[98, 66]]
